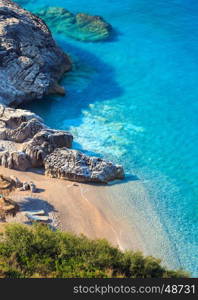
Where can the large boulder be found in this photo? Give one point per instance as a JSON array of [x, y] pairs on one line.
[[80, 26], [17, 160], [74, 165], [18, 125], [24, 131], [31, 64]]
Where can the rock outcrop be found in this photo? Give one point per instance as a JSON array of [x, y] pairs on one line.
[[25, 142], [81, 26], [44, 143], [74, 165], [31, 64]]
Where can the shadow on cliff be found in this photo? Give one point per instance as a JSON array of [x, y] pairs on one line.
[[91, 80]]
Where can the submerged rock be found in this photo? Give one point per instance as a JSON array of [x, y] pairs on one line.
[[32, 144], [30, 61], [81, 26], [74, 165]]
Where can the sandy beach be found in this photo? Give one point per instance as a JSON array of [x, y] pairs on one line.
[[95, 211], [72, 207]]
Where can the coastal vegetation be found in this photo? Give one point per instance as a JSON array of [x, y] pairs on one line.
[[38, 252]]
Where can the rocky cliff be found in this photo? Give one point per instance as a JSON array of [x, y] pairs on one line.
[[30, 61]]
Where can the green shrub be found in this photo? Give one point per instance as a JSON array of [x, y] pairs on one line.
[[37, 251]]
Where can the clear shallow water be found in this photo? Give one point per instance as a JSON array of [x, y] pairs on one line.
[[134, 100]]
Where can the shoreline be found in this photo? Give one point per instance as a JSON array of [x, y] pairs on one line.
[[96, 212], [76, 210], [129, 203]]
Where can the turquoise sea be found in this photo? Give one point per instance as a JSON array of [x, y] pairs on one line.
[[134, 100]]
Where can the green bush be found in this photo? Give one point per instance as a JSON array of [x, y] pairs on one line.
[[37, 251]]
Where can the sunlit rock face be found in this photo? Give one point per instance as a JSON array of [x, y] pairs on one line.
[[81, 26], [31, 63], [74, 165], [25, 140]]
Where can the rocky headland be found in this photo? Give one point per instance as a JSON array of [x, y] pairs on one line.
[[31, 64]]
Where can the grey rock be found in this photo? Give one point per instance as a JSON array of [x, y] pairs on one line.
[[29, 139], [33, 188], [44, 143], [17, 160], [31, 64], [24, 131], [18, 125], [25, 187], [74, 165]]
